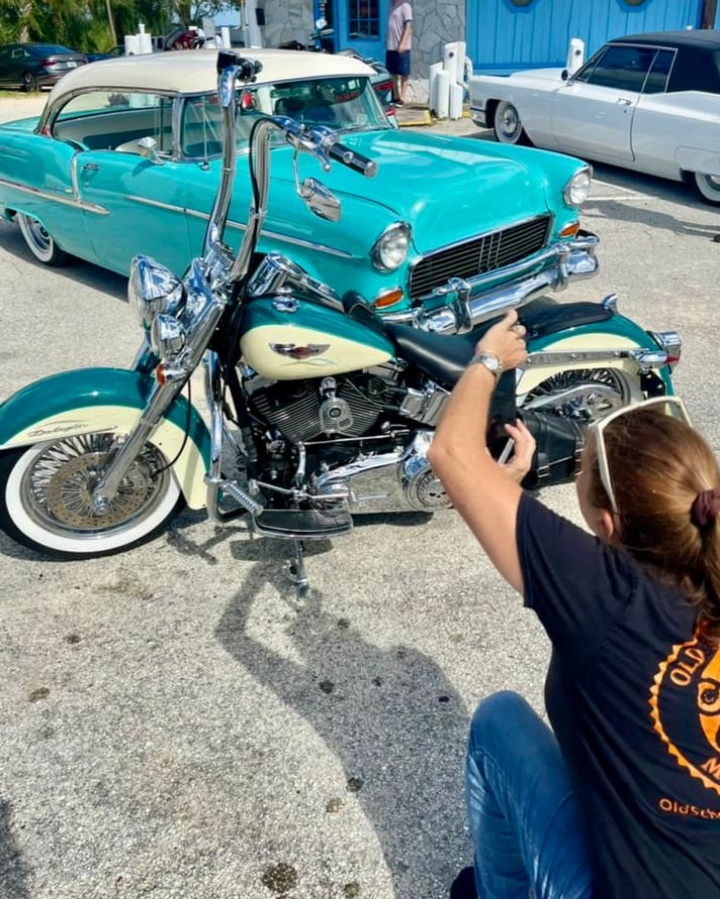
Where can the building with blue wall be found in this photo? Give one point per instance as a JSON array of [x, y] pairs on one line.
[[501, 35]]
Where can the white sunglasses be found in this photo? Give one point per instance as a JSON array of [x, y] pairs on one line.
[[671, 406]]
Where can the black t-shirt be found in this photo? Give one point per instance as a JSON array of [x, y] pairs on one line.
[[633, 696]]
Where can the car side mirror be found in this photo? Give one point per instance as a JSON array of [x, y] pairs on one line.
[[148, 149], [320, 200]]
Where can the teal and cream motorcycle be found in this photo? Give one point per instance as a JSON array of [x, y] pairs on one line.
[[315, 408]]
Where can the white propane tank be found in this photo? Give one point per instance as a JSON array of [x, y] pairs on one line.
[[442, 95], [450, 61], [456, 101], [576, 55], [132, 44], [432, 86], [144, 40]]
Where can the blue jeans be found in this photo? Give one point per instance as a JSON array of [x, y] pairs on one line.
[[524, 819]]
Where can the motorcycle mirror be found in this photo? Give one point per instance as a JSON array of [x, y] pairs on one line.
[[320, 200]]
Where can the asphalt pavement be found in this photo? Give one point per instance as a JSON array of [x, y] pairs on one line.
[[174, 723]]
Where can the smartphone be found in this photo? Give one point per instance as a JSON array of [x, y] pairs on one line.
[[506, 451]]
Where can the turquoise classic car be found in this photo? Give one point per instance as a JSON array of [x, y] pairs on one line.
[[126, 156]]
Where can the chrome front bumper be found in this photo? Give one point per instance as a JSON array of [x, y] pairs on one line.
[[468, 302]]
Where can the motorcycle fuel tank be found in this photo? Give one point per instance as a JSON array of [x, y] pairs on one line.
[[286, 339]]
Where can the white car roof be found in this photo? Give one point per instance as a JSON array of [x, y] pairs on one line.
[[193, 71]]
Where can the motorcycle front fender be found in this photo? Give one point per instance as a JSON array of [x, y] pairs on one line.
[[616, 335], [107, 399]]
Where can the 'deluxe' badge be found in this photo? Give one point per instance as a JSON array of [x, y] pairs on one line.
[[685, 703]]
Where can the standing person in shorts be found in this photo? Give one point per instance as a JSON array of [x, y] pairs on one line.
[[398, 45]]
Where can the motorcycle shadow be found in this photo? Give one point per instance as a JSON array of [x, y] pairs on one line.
[[388, 714]]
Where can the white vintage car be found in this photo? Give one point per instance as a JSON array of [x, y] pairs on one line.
[[648, 102]]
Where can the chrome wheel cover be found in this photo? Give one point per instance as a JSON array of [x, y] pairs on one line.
[[585, 396], [508, 123], [39, 236], [57, 488]]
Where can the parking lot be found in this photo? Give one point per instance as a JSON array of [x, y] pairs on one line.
[[174, 723]]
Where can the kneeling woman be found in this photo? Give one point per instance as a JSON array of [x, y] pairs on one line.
[[621, 800]]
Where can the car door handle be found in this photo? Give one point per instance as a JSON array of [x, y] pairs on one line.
[[91, 167], [622, 101]]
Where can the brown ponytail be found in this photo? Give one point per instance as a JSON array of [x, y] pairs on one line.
[[665, 478]]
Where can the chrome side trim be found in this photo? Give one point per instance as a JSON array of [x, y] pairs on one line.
[[55, 198], [158, 204], [273, 235], [646, 358]]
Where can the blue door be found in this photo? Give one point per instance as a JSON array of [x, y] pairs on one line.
[[506, 35], [360, 25]]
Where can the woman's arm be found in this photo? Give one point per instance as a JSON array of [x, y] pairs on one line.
[[486, 494]]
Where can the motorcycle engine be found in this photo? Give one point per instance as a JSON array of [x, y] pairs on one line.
[[304, 410]]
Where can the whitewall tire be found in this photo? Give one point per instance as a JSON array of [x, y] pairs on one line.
[[708, 187], [45, 497], [508, 126], [39, 241]]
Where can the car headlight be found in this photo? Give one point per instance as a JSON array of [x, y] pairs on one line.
[[152, 290], [391, 248], [577, 189]]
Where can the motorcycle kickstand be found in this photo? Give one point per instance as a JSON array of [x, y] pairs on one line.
[[295, 570]]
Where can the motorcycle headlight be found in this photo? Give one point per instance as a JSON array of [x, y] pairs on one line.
[[391, 248], [152, 290], [577, 189]]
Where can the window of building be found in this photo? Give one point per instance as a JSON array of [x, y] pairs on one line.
[[363, 19]]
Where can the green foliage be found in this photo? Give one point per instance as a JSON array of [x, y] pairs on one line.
[[83, 24]]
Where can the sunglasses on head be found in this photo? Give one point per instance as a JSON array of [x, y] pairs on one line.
[[670, 406]]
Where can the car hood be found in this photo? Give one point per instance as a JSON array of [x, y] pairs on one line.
[[22, 124], [448, 188]]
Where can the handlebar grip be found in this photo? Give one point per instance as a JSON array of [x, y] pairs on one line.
[[355, 161], [247, 68]]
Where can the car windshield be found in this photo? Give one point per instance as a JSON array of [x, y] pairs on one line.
[[344, 104]]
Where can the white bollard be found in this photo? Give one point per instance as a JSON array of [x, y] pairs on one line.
[[576, 55], [432, 85], [442, 95], [450, 61], [456, 101]]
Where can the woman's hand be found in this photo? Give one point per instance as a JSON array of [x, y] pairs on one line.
[[520, 462], [506, 340]]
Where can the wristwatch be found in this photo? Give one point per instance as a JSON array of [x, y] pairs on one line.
[[490, 361]]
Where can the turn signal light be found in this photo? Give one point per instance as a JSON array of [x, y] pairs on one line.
[[388, 298], [570, 230]]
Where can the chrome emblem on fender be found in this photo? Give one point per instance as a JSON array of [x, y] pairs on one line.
[[293, 351]]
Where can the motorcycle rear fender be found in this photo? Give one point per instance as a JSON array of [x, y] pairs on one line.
[[616, 333], [107, 399]]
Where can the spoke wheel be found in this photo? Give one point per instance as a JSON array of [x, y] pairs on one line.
[[708, 187], [46, 501], [39, 241], [584, 395], [507, 125]]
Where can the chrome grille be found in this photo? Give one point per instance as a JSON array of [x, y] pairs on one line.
[[479, 255]]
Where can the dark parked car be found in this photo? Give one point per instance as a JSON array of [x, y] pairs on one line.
[[113, 53], [32, 66]]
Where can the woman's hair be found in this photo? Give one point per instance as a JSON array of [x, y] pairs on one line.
[[659, 467]]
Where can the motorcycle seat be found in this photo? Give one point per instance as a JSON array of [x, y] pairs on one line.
[[442, 357]]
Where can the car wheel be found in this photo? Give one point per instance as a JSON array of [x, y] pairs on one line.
[[40, 243], [507, 125], [29, 82], [708, 187]]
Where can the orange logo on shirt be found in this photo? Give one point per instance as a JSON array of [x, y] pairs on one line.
[[685, 704]]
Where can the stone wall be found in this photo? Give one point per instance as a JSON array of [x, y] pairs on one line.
[[437, 22], [287, 20]]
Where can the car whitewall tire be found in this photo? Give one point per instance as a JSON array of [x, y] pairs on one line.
[[708, 186], [39, 242], [507, 125], [45, 498]]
